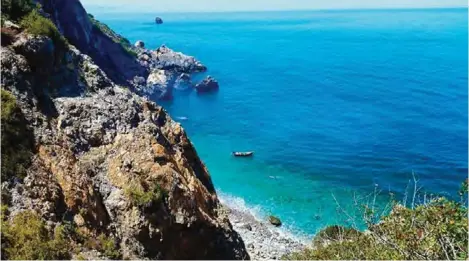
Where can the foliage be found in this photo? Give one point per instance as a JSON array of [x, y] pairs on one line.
[[103, 244], [3, 212], [144, 198], [335, 233], [17, 140], [108, 247], [36, 24], [433, 231], [26, 238], [16, 9], [117, 38]]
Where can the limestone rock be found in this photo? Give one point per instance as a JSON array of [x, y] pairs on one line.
[[159, 84], [98, 143], [169, 59]]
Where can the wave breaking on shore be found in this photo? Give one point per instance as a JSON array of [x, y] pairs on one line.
[[262, 240]]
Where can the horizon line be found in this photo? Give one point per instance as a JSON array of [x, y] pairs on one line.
[[289, 10]]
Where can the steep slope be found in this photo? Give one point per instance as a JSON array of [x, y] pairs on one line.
[[105, 161], [73, 21]]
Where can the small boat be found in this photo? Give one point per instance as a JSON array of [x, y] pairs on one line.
[[243, 154], [182, 118]]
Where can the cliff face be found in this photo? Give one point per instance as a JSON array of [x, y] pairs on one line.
[[73, 21], [106, 160]]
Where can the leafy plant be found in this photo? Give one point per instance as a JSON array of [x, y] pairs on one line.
[[16, 9], [103, 244], [17, 139], [26, 237], [144, 198], [36, 24], [434, 230], [108, 247]]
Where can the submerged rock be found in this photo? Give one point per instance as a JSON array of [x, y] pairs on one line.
[[183, 82], [275, 221], [207, 85]]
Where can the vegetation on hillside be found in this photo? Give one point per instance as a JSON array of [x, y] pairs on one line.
[[17, 139], [34, 23], [144, 198], [26, 237], [117, 38], [15, 9], [433, 230]]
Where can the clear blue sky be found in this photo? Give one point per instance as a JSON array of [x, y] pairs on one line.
[[257, 5]]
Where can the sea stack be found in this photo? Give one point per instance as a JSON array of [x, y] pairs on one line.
[[158, 20], [209, 84]]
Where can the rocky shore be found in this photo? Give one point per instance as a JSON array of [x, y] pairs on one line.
[[263, 241]]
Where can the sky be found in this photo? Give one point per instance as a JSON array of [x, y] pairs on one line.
[[257, 5]]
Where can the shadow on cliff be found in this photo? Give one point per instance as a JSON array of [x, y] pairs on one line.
[[73, 21]]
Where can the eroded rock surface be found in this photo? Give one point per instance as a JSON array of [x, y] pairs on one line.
[[98, 148]]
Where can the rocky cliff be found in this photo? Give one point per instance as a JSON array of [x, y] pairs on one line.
[[104, 162]]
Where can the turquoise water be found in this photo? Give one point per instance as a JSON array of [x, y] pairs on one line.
[[332, 103]]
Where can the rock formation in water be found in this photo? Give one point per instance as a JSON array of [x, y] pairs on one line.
[[114, 54], [108, 168], [158, 20], [207, 85]]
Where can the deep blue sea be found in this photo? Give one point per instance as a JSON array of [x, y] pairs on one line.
[[334, 104]]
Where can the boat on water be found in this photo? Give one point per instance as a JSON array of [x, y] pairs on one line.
[[243, 154]]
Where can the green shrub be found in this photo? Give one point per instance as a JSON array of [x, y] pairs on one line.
[[26, 237], [434, 231], [17, 140], [16, 9], [103, 244], [141, 198], [108, 247], [36, 24], [335, 233]]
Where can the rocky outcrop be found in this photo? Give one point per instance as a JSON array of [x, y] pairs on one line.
[[159, 84], [209, 84], [107, 160], [170, 60], [168, 70], [139, 44], [123, 63]]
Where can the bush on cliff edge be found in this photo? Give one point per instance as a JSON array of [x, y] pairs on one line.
[[434, 230], [36, 24]]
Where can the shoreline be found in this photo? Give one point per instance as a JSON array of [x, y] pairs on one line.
[[263, 241]]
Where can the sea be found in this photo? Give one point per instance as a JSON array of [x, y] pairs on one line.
[[342, 108]]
